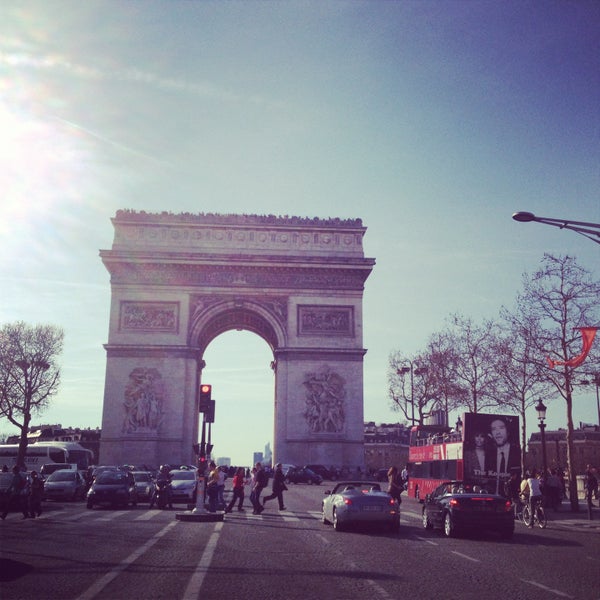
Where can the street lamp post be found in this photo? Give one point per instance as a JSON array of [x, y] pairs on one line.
[[588, 230], [413, 370], [596, 381], [459, 426], [541, 411]]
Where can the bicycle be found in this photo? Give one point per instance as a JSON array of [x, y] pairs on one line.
[[539, 515]]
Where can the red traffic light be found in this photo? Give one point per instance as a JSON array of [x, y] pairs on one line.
[[205, 391]]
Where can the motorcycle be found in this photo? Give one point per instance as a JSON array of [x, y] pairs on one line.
[[162, 494]]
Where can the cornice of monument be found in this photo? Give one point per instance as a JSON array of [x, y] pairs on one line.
[[280, 276], [133, 216]]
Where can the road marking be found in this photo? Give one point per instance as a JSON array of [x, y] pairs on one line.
[[101, 583], [323, 538], [146, 515], [381, 593], [411, 514], [427, 541], [291, 519], [547, 589], [192, 591], [112, 515], [465, 556]]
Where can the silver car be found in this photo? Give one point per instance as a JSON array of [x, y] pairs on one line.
[[64, 485], [144, 484], [183, 486], [360, 503]]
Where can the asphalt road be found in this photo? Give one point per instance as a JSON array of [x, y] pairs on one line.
[[75, 553]]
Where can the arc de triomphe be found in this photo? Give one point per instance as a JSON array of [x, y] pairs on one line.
[[180, 280]]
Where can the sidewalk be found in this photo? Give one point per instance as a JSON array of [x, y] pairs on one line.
[[574, 520]]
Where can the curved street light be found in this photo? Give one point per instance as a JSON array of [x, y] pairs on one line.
[[588, 230], [413, 370]]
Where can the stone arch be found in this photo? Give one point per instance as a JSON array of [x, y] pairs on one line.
[[179, 281], [213, 317]]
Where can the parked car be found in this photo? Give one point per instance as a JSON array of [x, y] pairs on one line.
[[113, 487], [324, 472], [457, 507], [5, 482], [302, 475], [100, 469], [64, 485], [144, 485], [360, 503], [183, 486], [50, 468]]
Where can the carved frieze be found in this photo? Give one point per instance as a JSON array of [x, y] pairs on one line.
[[325, 320], [275, 305], [143, 402], [149, 316], [325, 401], [213, 233], [237, 277]]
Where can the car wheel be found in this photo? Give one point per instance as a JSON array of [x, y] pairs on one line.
[[90, 504], [426, 522], [449, 527], [395, 526], [337, 525]]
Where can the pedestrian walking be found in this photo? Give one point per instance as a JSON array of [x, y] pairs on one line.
[[239, 481], [17, 493], [591, 488], [260, 483], [221, 487], [212, 485], [394, 484], [36, 495], [278, 487]]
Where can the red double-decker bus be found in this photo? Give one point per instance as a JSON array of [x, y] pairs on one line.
[[483, 452]]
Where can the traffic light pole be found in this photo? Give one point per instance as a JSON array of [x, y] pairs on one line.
[[199, 512]]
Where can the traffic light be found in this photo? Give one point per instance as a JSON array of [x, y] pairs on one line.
[[205, 392], [209, 415]]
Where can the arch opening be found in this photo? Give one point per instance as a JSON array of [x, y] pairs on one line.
[[238, 368]]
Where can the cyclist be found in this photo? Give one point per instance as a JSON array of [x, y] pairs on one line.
[[511, 491], [531, 488]]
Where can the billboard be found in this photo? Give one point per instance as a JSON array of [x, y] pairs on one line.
[[491, 448]]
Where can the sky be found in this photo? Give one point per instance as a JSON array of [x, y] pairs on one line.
[[432, 121]]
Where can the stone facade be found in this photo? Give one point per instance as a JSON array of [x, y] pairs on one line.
[[179, 281]]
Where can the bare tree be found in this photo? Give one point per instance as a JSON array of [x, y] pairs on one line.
[[520, 379], [29, 375], [561, 296], [442, 359], [474, 368], [410, 387]]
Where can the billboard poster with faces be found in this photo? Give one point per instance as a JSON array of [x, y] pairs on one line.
[[491, 449]]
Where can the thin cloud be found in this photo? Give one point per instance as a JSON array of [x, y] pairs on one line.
[[204, 89]]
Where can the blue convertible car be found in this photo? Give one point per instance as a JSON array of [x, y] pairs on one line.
[[360, 503]]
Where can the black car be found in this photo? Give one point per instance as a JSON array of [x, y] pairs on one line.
[[324, 472], [302, 475], [114, 488], [457, 507]]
